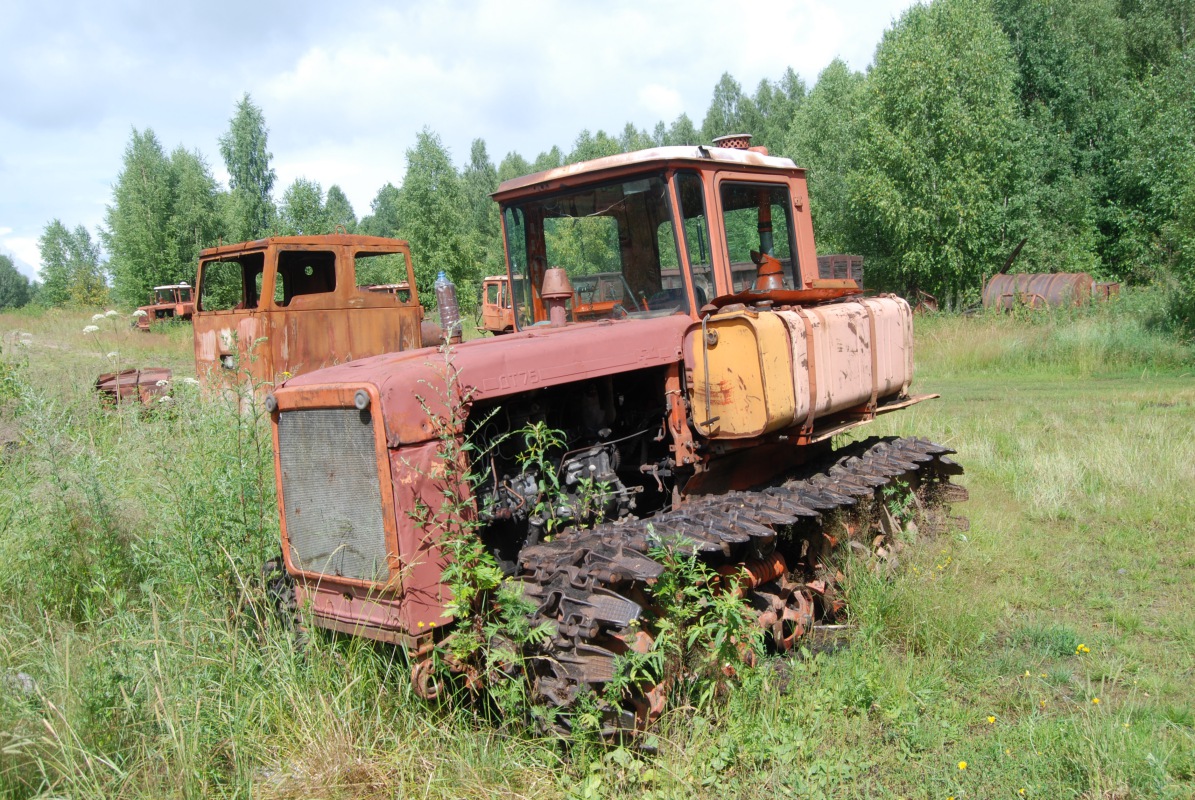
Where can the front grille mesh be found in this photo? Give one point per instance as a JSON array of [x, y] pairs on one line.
[[331, 492]]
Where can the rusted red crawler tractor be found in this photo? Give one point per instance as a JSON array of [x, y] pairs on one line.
[[672, 328]]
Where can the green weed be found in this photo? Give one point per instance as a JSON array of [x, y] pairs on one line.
[[144, 680]]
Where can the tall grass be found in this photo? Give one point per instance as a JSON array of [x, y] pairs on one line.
[[137, 656], [137, 660], [1129, 334]]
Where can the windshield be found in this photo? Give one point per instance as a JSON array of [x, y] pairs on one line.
[[616, 243], [167, 294]]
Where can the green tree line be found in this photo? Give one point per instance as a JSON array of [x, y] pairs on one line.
[[980, 124]]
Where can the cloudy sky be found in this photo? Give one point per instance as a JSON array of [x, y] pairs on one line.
[[346, 86]]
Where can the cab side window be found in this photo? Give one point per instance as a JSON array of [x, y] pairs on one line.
[[384, 273], [232, 283], [758, 217]]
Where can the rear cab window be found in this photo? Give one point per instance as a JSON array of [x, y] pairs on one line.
[[384, 273]]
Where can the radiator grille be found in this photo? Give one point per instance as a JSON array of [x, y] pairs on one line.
[[331, 492]]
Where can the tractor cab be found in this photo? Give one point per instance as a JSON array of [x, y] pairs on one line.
[[661, 232]]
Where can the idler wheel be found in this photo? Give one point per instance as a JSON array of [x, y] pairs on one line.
[[795, 620], [425, 681]]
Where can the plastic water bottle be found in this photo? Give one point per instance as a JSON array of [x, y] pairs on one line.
[[450, 312]]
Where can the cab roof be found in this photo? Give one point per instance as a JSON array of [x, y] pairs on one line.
[[573, 174], [326, 240]]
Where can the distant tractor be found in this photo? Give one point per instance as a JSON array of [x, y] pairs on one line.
[[173, 301], [281, 306], [286, 305], [496, 310]]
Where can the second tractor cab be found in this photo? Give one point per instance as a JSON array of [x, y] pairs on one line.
[[173, 301]]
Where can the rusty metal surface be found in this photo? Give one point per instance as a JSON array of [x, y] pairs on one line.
[[525, 361], [275, 336], [144, 386], [583, 580], [1037, 290]]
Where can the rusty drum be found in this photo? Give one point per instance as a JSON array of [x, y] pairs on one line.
[[1038, 290]]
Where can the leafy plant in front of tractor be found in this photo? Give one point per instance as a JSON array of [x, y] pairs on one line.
[[491, 620], [704, 634]]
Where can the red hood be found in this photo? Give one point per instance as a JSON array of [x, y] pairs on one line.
[[506, 365]]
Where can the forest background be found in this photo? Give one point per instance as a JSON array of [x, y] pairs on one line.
[[980, 123]]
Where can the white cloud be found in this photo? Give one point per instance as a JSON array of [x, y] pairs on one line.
[[345, 94], [663, 102], [25, 253]]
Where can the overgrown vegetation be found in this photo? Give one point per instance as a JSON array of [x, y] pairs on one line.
[[130, 667], [704, 637]]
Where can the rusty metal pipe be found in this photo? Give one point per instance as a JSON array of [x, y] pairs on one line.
[[556, 292], [755, 572]]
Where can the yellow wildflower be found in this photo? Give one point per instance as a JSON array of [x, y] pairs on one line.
[[991, 720], [962, 765], [1095, 701], [1021, 792]]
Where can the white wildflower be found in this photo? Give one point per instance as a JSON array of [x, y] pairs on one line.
[[141, 312], [162, 382], [91, 329], [114, 355], [96, 317], [112, 313], [191, 381], [164, 398]]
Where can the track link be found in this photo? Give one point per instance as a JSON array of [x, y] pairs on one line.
[[584, 581]]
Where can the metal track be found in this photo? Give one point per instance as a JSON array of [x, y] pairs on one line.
[[584, 580]]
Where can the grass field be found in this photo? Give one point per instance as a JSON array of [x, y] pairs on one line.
[[1048, 651]]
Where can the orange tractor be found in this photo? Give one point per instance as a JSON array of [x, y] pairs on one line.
[[675, 375]]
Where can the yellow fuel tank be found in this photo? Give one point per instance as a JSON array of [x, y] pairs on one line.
[[745, 359], [769, 370]]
